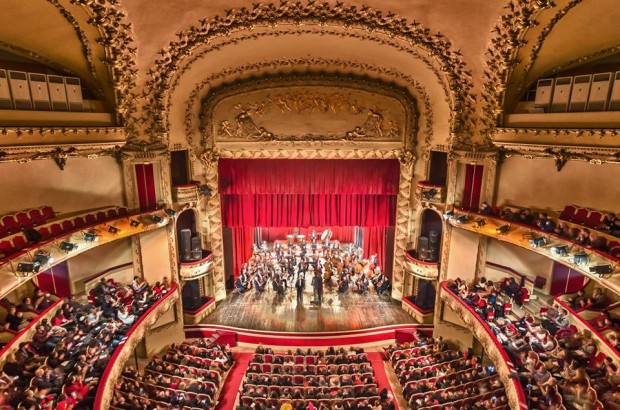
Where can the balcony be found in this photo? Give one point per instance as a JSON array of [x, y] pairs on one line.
[[421, 315], [520, 235], [420, 268], [25, 335], [197, 269], [427, 192], [492, 347], [11, 278], [196, 316], [185, 194], [125, 349]]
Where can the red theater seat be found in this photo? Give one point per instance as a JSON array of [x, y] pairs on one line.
[[10, 223], [36, 216], [90, 219], [101, 216], [55, 229], [581, 216], [123, 211], [45, 232], [23, 220], [3, 231], [67, 226], [594, 219], [20, 242], [7, 248], [48, 212], [79, 222], [568, 213], [112, 214]]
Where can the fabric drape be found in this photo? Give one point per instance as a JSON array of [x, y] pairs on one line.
[[340, 233], [145, 183], [243, 240], [375, 243]]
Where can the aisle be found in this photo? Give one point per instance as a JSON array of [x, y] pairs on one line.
[[376, 360], [233, 381]]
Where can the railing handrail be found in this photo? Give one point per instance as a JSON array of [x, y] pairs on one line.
[[29, 327], [427, 184], [510, 270], [96, 275], [198, 262], [588, 325], [418, 261], [517, 385], [202, 307], [416, 307], [117, 351], [191, 184]]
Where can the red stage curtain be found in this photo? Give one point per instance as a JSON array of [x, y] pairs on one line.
[[243, 239], [472, 187], [146, 186], [340, 233], [374, 242]]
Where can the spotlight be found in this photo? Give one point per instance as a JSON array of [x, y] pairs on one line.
[[68, 246], [462, 219], [28, 267], [560, 250], [601, 269], [113, 229], [157, 219], [90, 237], [580, 258], [133, 223], [171, 212], [43, 258], [448, 215], [503, 230], [537, 242], [480, 222]]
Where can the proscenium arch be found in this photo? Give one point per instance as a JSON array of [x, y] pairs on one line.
[[345, 22]]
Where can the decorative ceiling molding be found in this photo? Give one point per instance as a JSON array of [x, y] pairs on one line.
[[560, 132], [58, 153], [420, 94], [583, 60], [502, 57], [117, 39], [31, 55], [451, 64]]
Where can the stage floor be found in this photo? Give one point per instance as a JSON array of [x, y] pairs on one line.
[[282, 313]]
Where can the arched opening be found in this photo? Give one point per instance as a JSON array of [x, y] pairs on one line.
[[189, 250], [429, 241]]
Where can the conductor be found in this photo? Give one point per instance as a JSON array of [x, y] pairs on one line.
[[317, 285], [299, 285]]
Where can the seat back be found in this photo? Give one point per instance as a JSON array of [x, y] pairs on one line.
[[36, 216], [10, 223], [594, 219], [19, 242], [90, 219], [580, 216], [48, 212], [79, 222], [67, 225], [568, 213], [24, 220], [101, 216]]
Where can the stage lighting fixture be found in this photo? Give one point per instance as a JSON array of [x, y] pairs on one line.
[[113, 229], [537, 242], [448, 215], [157, 219], [68, 246], [601, 269], [43, 258], [171, 212], [480, 222], [133, 223], [462, 219], [560, 250], [90, 237], [580, 258], [502, 230], [28, 267]]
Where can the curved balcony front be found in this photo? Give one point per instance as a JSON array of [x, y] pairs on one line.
[[123, 351], [427, 192], [125, 226], [581, 258], [197, 269], [421, 269], [493, 348], [186, 194]]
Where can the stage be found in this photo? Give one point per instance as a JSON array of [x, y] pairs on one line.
[[269, 311]]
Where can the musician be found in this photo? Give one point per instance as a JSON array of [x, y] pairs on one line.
[[300, 284], [363, 284], [257, 283], [384, 286], [317, 284], [241, 285]]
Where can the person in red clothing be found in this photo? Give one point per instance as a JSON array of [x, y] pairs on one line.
[[76, 389], [63, 403]]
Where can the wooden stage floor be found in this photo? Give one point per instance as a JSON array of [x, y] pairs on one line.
[[282, 313]]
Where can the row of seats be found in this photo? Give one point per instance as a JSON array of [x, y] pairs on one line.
[[20, 242], [177, 379], [582, 216], [14, 223]]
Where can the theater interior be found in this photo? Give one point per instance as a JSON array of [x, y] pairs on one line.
[[369, 205]]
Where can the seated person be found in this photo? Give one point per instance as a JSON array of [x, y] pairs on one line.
[[485, 209], [15, 320]]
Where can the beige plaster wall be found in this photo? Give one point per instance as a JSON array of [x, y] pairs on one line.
[[99, 259], [463, 255], [536, 183], [84, 184], [155, 255]]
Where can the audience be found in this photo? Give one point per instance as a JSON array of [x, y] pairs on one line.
[[67, 355]]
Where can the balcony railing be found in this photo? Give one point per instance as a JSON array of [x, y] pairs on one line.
[[187, 193], [520, 235], [25, 335], [422, 269], [494, 349], [11, 278], [197, 269], [421, 315], [196, 316], [124, 350], [428, 192]]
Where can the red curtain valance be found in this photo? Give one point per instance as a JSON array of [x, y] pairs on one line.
[[294, 176]]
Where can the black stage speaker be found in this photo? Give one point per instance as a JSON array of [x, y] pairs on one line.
[[433, 240], [184, 244], [422, 244], [195, 243], [426, 255]]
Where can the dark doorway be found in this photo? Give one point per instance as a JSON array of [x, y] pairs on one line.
[[429, 242], [179, 168], [438, 168], [425, 297]]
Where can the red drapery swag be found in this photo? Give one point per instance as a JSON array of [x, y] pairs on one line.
[[472, 187], [243, 240], [145, 182], [303, 193], [374, 243]]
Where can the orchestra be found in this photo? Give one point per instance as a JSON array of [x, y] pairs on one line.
[[327, 263]]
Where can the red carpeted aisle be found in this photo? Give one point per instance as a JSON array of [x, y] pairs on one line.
[[376, 360], [233, 381]]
